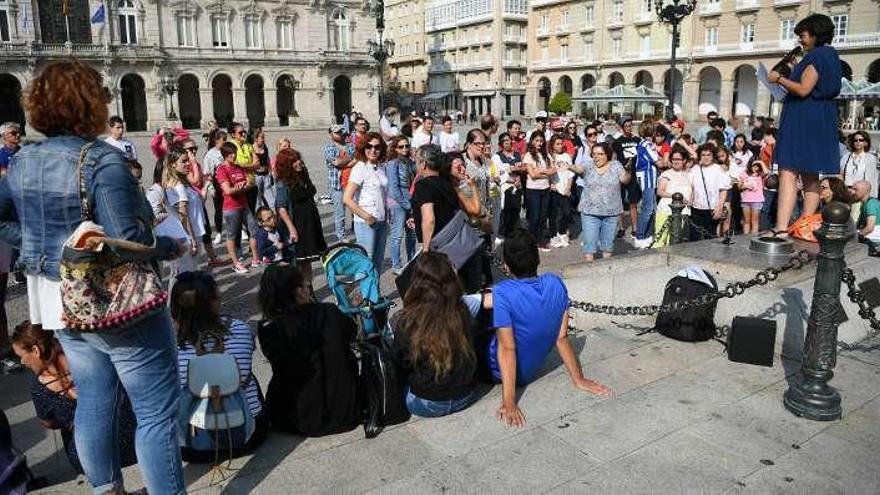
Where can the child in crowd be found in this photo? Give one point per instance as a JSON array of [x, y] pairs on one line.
[[676, 179], [235, 185], [751, 185], [270, 243]]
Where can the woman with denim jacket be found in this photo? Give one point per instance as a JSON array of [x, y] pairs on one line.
[[401, 171], [39, 209]]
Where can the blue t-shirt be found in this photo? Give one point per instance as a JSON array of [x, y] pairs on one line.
[[534, 307]]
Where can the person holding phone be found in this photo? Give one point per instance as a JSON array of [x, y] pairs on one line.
[[365, 196]]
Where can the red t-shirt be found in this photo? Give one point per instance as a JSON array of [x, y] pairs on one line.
[[233, 175]]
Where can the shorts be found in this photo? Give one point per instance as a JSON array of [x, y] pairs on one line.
[[631, 193], [753, 205], [44, 302], [233, 220]]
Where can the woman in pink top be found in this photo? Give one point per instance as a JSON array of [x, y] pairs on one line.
[[751, 183]]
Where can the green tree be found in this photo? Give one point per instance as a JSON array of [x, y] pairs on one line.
[[560, 104]]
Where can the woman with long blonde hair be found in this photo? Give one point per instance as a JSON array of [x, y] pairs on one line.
[[432, 339]]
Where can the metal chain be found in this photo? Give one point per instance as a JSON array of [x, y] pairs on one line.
[[865, 311], [659, 235], [687, 221], [733, 289]]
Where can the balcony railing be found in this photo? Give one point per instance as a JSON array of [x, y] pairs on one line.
[[748, 4], [642, 17], [615, 20], [857, 40], [786, 2], [841, 42], [710, 8], [543, 31], [509, 38]]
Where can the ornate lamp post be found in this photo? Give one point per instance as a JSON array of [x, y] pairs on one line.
[[380, 49], [169, 86], [673, 13]]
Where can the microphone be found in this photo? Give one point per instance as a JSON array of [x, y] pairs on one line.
[[782, 67]]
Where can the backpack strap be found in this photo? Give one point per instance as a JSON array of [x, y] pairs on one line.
[[84, 207]]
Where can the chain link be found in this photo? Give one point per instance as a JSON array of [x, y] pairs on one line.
[[865, 311], [661, 232], [688, 222]]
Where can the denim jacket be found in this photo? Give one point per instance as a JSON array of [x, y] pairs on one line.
[[40, 208], [401, 172]]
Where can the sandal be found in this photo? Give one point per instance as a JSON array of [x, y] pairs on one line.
[[779, 234]]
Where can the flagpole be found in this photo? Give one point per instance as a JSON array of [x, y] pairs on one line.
[[65, 9]]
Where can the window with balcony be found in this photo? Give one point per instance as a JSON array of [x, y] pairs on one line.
[[508, 79], [786, 30], [285, 34], [647, 7], [127, 16], [617, 11], [588, 50], [186, 31], [589, 12], [339, 35], [841, 26], [563, 20], [747, 36], [220, 31], [545, 52], [563, 53], [4, 21], [545, 23], [645, 45], [711, 39], [252, 33], [616, 47]]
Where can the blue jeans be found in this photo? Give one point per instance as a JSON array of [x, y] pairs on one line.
[[436, 408], [372, 238], [768, 211], [537, 212], [143, 359], [598, 232], [398, 232], [646, 212], [338, 214]]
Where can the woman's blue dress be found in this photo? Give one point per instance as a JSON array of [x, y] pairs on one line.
[[808, 129]]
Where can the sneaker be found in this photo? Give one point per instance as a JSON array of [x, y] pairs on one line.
[[244, 236], [646, 242], [565, 239], [638, 243], [218, 239], [556, 242], [216, 262], [543, 248], [239, 268], [620, 233]]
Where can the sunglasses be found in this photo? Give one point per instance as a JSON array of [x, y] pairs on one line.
[[591, 134], [377, 147], [858, 140], [192, 149], [403, 146]]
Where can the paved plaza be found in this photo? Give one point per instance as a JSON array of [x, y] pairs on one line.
[[683, 419]]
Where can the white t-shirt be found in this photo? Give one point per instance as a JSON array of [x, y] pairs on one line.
[[676, 182], [372, 186], [183, 192], [420, 137], [449, 142], [716, 180], [125, 146], [540, 184], [562, 180], [388, 128], [211, 161]]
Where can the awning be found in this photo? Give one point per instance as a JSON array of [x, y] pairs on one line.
[[468, 94], [621, 94], [858, 90], [435, 96]]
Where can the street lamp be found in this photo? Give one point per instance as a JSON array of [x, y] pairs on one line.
[[380, 49], [673, 13], [169, 86]]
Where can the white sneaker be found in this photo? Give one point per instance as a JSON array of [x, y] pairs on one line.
[[244, 236], [565, 240], [638, 243], [218, 238], [646, 242], [556, 242]]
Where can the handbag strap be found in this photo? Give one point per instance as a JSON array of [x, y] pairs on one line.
[[848, 159], [84, 207], [705, 189]]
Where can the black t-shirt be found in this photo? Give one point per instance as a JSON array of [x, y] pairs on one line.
[[439, 192], [458, 382], [625, 148]]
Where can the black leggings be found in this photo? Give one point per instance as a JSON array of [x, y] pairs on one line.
[[702, 218]]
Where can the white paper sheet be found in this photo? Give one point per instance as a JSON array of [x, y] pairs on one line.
[[776, 91]]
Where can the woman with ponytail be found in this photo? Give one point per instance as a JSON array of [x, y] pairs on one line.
[[54, 393]]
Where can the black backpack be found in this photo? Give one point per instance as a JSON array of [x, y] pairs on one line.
[[383, 386], [692, 324], [14, 473]]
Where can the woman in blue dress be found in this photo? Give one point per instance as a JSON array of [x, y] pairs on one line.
[[807, 141]]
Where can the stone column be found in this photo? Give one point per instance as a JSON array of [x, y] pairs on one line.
[[239, 106], [270, 103], [691, 99], [726, 103], [762, 102], [206, 104]]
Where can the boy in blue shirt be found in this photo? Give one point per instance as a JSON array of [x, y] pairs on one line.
[[530, 316]]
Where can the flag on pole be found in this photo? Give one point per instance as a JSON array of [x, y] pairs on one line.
[[98, 16], [65, 8], [25, 20]]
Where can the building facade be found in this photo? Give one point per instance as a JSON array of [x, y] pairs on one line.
[[577, 45], [476, 52], [294, 63], [407, 69]]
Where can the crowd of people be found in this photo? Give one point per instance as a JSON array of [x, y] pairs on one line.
[[523, 192]]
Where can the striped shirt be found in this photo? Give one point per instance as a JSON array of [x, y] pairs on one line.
[[239, 342]]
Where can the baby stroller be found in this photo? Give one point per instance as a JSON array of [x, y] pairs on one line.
[[354, 282]]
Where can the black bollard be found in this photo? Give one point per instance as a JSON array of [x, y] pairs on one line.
[[676, 222], [811, 396]]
